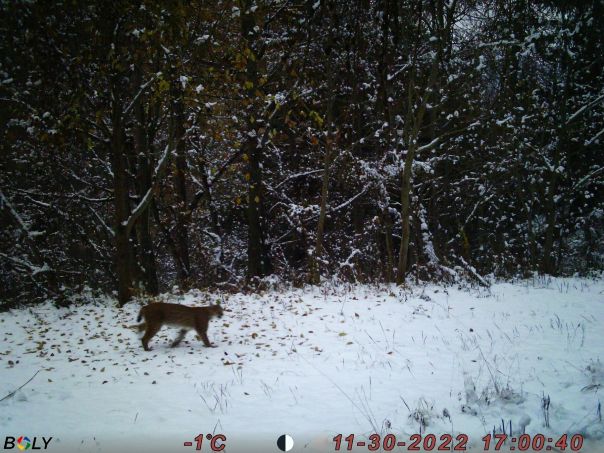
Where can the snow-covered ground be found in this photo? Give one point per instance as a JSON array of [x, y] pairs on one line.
[[313, 363]]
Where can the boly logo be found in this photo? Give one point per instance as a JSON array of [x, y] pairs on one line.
[[25, 443]]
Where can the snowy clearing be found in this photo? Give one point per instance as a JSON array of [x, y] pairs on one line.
[[313, 363]]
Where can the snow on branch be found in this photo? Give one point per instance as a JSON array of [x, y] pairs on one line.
[[474, 273], [478, 203], [583, 109], [431, 144], [102, 222], [140, 92], [349, 201], [297, 175], [427, 238], [348, 262], [595, 137], [144, 203], [33, 269], [586, 178], [4, 202]]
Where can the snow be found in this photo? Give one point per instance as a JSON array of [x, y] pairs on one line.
[[183, 80], [312, 363]]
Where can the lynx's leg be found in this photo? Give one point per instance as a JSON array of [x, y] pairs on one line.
[[202, 330], [152, 329], [180, 337]]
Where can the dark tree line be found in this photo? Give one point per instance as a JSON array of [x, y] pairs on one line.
[[148, 144]]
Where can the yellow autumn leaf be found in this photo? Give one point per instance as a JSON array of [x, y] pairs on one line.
[[316, 118], [163, 86]]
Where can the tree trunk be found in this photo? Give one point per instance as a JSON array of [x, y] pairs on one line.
[[180, 188], [258, 259], [405, 210], [123, 255], [258, 262], [389, 246], [315, 274], [416, 109], [382, 106], [547, 264], [146, 262]]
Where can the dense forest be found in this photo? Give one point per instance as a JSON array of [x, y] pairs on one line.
[[147, 144]]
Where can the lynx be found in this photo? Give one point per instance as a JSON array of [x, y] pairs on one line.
[[158, 314]]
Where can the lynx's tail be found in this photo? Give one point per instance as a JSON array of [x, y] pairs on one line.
[[140, 317]]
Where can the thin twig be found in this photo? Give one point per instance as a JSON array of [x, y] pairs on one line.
[[362, 410], [15, 391]]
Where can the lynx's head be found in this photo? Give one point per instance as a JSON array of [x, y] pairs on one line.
[[216, 310]]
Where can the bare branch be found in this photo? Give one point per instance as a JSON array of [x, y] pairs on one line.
[[15, 391], [157, 177]]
